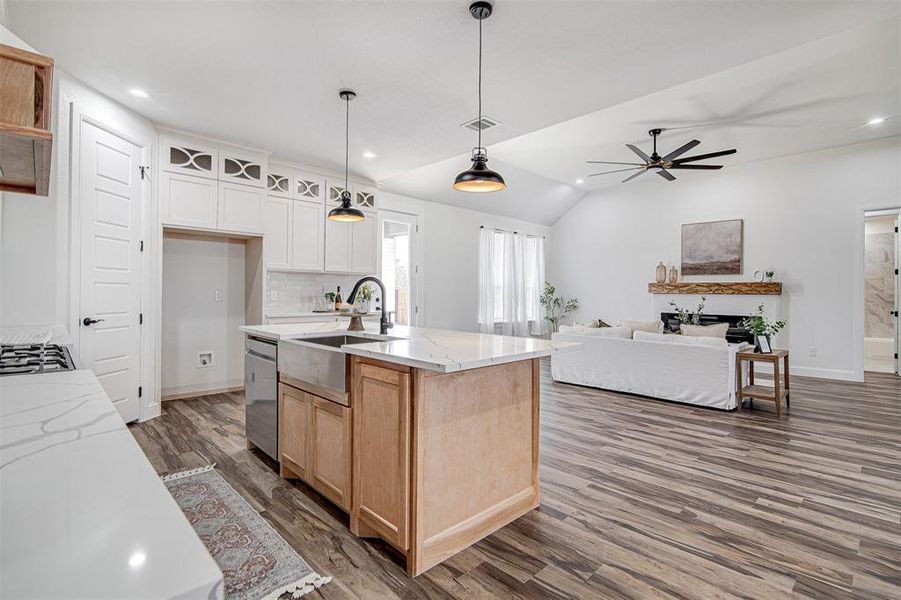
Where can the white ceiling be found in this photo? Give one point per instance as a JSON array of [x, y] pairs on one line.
[[266, 74]]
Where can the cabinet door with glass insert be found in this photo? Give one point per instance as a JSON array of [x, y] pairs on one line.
[[242, 168], [188, 157], [279, 182]]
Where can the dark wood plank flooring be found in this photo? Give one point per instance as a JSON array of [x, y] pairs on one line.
[[640, 499]]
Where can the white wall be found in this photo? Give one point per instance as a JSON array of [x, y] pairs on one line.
[[450, 251], [194, 269], [801, 216]]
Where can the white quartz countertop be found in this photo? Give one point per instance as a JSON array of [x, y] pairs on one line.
[[434, 349], [83, 514]]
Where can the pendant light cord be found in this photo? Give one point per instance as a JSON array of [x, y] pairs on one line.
[[480, 87], [346, 139]]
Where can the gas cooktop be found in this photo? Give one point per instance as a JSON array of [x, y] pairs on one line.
[[34, 358]]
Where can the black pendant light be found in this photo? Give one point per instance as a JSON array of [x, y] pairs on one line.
[[479, 178], [346, 213]]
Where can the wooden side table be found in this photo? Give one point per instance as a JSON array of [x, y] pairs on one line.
[[761, 392]]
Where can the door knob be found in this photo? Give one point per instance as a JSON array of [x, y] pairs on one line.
[[88, 321]]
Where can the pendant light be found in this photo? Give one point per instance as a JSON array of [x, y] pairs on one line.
[[479, 178], [346, 213]]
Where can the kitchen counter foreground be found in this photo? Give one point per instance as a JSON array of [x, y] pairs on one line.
[[82, 511]]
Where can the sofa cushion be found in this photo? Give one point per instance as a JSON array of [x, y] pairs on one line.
[[613, 332], [683, 340], [719, 330], [649, 326]]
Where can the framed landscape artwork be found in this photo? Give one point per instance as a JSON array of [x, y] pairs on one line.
[[713, 248]]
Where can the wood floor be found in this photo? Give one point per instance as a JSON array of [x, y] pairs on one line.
[[640, 499]]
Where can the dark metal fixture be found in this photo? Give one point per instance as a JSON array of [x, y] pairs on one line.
[[479, 178], [662, 164], [384, 323], [346, 212]]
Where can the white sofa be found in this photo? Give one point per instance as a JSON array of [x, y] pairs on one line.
[[697, 371]]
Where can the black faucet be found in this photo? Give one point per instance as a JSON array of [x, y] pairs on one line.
[[384, 323]]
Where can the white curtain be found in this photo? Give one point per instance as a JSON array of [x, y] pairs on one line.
[[511, 278]]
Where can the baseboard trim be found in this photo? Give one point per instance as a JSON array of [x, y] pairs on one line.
[[176, 394], [837, 374]]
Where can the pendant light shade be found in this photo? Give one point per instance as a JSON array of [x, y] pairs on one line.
[[479, 178], [346, 213]]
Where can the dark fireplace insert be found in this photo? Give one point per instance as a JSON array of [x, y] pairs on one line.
[[735, 335]]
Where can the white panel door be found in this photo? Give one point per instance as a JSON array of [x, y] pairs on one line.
[[337, 246], [240, 208], [308, 236], [277, 232], [363, 249], [110, 200], [187, 200]]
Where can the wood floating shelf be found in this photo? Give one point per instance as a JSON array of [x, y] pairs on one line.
[[729, 288], [26, 88]]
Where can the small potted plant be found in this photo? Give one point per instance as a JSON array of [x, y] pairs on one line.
[[762, 329], [364, 297], [768, 275], [329, 302], [556, 307], [689, 318]]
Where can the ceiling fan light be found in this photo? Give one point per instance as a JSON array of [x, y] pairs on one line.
[[479, 178]]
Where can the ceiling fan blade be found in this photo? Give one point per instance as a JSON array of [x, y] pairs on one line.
[[681, 150], [607, 162], [616, 171], [704, 156], [631, 177], [698, 167], [640, 154], [666, 174]]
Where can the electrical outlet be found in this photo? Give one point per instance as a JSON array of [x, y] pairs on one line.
[[218, 295], [812, 352], [204, 359]]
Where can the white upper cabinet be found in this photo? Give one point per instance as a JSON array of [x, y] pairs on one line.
[[188, 201], [363, 248], [308, 236], [364, 198], [188, 157], [337, 246], [309, 187], [333, 193], [278, 182], [277, 216], [244, 168], [240, 208]]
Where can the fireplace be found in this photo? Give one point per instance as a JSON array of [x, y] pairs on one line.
[[736, 333]]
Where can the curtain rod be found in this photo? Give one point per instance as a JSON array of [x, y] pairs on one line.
[[543, 237]]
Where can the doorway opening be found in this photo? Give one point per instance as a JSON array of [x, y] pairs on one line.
[[882, 259], [398, 269]]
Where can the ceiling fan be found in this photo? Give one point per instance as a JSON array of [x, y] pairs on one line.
[[662, 164]]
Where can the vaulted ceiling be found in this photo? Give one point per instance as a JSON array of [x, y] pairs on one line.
[[568, 81]]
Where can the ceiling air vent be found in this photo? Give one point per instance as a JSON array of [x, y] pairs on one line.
[[483, 123]]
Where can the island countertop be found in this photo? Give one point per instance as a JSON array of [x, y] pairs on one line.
[[433, 349], [83, 513]]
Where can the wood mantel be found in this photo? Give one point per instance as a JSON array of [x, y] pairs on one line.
[[731, 288]]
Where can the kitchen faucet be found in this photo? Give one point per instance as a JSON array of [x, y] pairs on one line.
[[384, 323]]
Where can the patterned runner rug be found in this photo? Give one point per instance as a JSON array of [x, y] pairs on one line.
[[256, 561]]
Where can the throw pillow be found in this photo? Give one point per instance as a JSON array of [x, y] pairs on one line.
[[649, 326], [718, 331]]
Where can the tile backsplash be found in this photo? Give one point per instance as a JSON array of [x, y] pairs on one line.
[[296, 293]]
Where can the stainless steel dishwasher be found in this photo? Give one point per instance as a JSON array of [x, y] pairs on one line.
[[261, 395]]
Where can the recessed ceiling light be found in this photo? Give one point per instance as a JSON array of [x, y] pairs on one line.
[[138, 93], [369, 154], [580, 181], [136, 559], [876, 121]]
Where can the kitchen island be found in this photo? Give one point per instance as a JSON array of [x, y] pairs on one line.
[[430, 444]]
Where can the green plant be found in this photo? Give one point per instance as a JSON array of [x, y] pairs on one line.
[[769, 273], [684, 316], [758, 324], [556, 307], [365, 292], [330, 296]]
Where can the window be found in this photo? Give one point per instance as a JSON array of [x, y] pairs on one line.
[[511, 276]]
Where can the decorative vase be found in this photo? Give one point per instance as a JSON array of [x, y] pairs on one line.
[[661, 273], [673, 274], [363, 307]]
